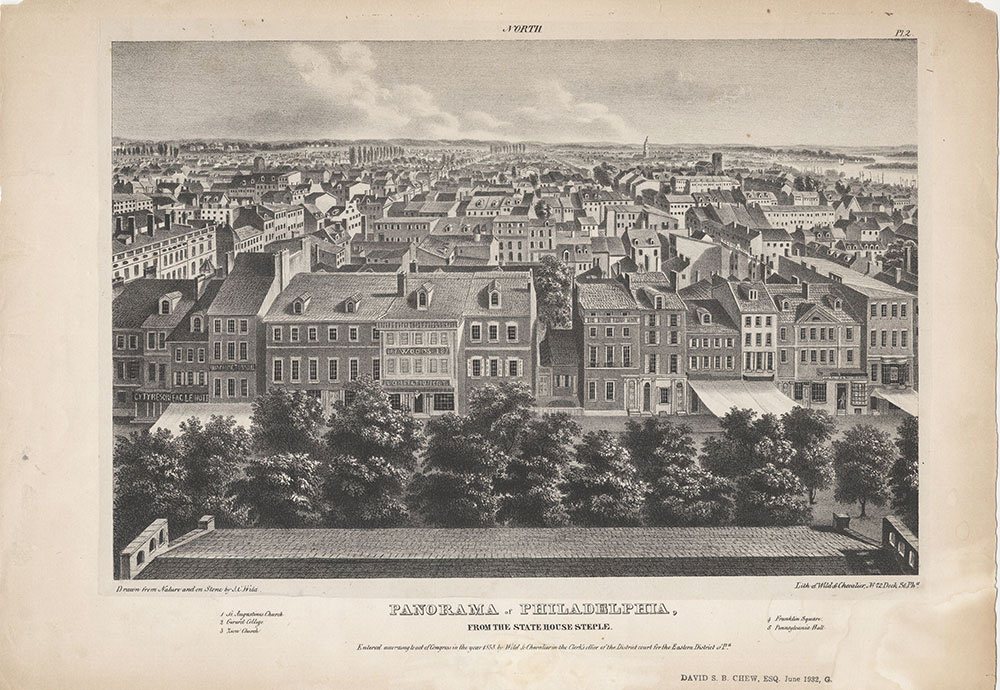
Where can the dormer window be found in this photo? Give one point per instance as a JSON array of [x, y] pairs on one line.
[[706, 318], [165, 306], [196, 324], [784, 305], [838, 304], [752, 295], [421, 300], [301, 303], [493, 298], [659, 302]]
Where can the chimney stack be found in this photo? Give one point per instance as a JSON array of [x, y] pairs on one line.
[[150, 224], [131, 228], [401, 284], [899, 275], [199, 284], [166, 221]]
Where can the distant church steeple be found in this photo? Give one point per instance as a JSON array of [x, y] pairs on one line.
[[645, 148]]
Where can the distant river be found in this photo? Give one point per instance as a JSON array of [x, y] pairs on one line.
[[900, 176]]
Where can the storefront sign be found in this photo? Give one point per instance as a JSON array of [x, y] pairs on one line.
[[416, 350], [390, 325], [248, 366], [168, 397], [417, 383]]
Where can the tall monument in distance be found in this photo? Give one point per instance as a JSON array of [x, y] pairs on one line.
[[645, 148]]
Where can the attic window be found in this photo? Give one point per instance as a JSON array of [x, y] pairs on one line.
[[421, 300], [837, 303], [196, 324], [165, 306], [784, 304], [494, 298], [752, 295], [706, 318], [297, 307], [351, 306], [659, 302]]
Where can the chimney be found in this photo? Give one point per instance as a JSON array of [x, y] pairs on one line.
[[199, 284], [131, 228], [166, 221], [899, 275], [805, 290], [230, 261], [118, 225], [401, 284], [150, 224]]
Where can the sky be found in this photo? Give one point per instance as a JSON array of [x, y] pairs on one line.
[[763, 92]]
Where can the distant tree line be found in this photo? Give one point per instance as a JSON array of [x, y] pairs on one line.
[[371, 465]]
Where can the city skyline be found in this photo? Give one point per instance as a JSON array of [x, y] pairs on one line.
[[763, 93]]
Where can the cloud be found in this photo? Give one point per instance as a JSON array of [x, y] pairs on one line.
[[561, 116], [360, 103], [362, 106]]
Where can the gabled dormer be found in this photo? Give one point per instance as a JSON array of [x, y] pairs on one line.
[[301, 303], [352, 303], [168, 303], [493, 297], [425, 293], [704, 316], [197, 323]]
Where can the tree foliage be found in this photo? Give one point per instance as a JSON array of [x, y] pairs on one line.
[[530, 486], [212, 456], [809, 432], [456, 485], [149, 483], [685, 495], [904, 477], [771, 495], [371, 453], [656, 443], [500, 412], [747, 443], [861, 460], [286, 421], [281, 490], [553, 287], [602, 486]]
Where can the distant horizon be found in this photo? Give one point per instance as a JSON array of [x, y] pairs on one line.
[[857, 93], [589, 144]]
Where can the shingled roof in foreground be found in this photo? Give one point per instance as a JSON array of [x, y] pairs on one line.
[[513, 552]]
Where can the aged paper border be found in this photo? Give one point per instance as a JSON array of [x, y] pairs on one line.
[[63, 624]]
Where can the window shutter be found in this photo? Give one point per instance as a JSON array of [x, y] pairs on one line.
[[468, 367], [520, 367]]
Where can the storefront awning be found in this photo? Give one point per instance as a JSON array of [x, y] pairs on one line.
[[722, 396], [906, 400], [180, 412]]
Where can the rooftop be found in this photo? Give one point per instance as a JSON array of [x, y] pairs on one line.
[[509, 552]]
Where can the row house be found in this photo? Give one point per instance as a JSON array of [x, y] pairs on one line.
[[165, 251], [427, 338], [888, 328], [819, 348], [237, 337], [749, 305], [610, 321], [792, 217], [144, 314], [660, 384]]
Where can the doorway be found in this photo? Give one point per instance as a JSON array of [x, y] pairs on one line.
[[645, 397], [842, 398], [418, 403]]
